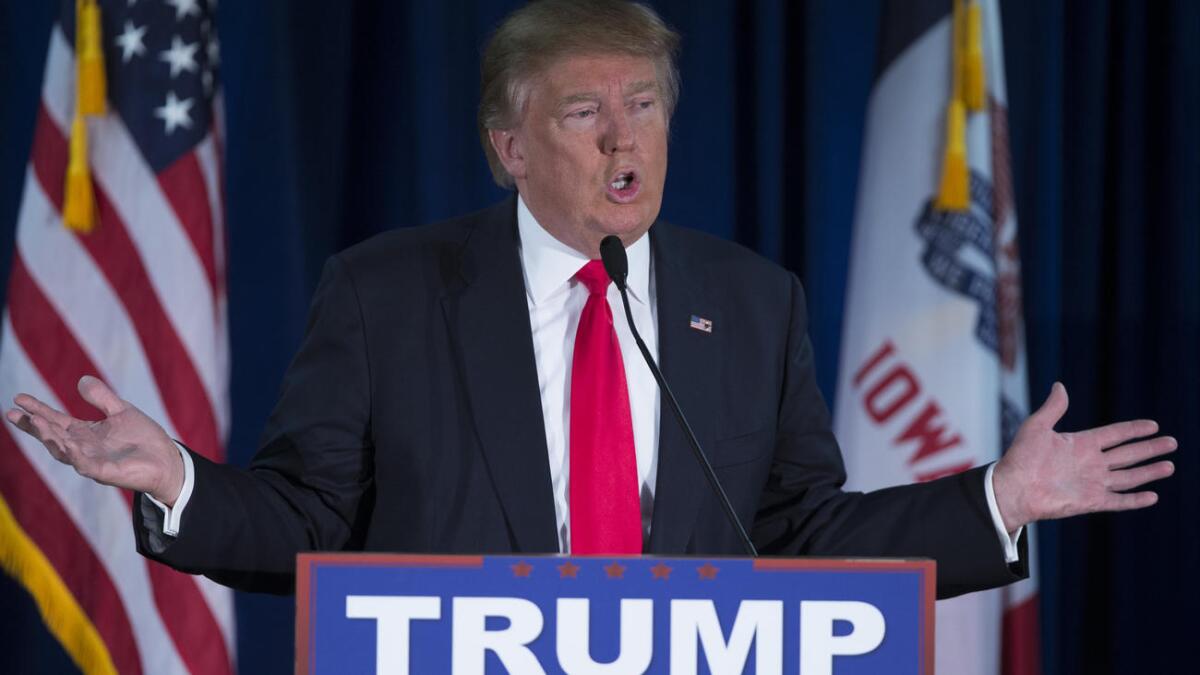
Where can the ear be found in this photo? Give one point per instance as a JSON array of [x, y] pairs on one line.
[[507, 144]]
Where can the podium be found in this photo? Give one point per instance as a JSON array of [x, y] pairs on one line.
[[368, 613]]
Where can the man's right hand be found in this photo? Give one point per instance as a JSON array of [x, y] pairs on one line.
[[126, 449]]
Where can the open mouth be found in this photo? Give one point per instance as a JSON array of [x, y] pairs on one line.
[[623, 186]]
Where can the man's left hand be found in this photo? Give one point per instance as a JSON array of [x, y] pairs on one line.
[[1047, 474]]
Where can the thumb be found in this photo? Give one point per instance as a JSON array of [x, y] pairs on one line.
[[98, 394], [1054, 408]]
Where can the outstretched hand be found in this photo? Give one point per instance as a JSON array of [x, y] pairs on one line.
[[1047, 474], [126, 449]]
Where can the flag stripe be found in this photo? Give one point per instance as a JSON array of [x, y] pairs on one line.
[[190, 620], [208, 159], [208, 154], [220, 603], [1022, 644], [1020, 624], [40, 514], [114, 254], [211, 157], [192, 208], [100, 514], [54, 352]]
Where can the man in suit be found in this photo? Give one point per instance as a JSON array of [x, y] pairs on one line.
[[472, 386]]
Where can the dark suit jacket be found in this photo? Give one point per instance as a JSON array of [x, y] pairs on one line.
[[410, 421]]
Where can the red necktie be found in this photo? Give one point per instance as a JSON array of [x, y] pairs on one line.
[[605, 509]]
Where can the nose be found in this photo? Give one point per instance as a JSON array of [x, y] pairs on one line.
[[619, 135]]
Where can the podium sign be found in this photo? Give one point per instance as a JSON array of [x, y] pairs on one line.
[[367, 613]]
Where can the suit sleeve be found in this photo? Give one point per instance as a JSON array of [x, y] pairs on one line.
[[310, 484], [804, 510]]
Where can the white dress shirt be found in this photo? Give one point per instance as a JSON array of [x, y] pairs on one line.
[[555, 303]]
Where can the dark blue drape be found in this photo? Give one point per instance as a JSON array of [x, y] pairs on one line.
[[346, 119], [1105, 97]]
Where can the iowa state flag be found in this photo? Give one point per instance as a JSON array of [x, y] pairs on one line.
[[932, 377]]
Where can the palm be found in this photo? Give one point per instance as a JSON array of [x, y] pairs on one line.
[[126, 449], [1047, 474]]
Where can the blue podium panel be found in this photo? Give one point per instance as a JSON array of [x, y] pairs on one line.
[[368, 613]]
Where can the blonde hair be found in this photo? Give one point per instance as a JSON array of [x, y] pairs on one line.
[[533, 37]]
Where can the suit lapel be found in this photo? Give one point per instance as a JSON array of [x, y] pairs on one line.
[[489, 320], [687, 357]]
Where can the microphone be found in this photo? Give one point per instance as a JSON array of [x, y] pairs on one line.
[[612, 253]]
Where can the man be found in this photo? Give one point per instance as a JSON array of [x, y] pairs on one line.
[[468, 387]]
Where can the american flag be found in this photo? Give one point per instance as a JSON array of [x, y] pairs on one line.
[[138, 300]]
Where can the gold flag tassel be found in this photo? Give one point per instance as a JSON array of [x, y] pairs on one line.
[[90, 99], [954, 191], [974, 77], [78, 201], [89, 52]]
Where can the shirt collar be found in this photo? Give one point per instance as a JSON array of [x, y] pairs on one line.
[[549, 264]]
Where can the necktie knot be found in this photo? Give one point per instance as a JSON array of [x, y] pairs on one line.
[[594, 277]]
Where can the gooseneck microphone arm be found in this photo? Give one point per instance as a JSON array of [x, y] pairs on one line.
[[612, 252]]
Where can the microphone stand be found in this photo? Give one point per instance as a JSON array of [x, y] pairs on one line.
[[617, 266]]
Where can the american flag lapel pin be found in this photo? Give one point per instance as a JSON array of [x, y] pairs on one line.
[[701, 324]]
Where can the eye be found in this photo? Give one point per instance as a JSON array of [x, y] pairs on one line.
[[582, 114], [642, 104]]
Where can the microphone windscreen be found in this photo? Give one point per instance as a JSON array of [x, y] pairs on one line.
[[612, 252]]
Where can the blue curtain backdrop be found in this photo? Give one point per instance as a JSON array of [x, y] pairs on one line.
[[346, 119]]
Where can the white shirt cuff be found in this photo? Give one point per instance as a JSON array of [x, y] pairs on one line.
[[1009, 543], [173, 515]]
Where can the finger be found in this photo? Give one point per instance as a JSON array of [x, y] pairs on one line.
[[21, 420], [1121, 432], [36, 407], [1128, 479], [45, 432], [1053, 409], [1136, 453], [1129, 501], [24, 421], [98, 394], [51, 436]]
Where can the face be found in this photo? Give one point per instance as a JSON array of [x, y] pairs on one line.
[[590, 154]]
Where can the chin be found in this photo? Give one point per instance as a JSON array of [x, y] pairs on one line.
[[627, 231], [628, 221]]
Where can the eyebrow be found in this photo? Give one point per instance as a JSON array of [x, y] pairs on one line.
[[641, 86]]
